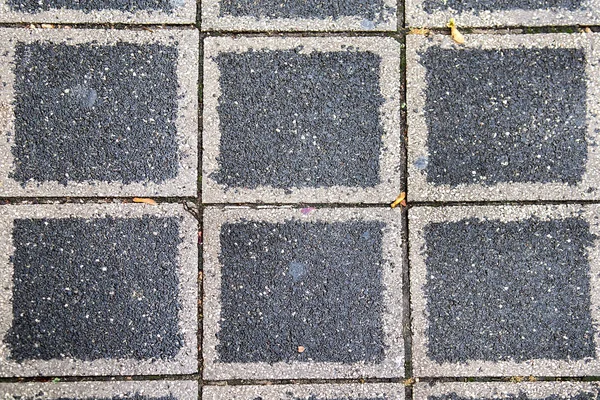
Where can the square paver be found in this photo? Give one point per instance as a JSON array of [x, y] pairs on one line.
[[505, 291], [98, 11], [302, 293], [301, 120], [504, 117], [506, 391], [98, 290], [369, 391], [140, 390], [299, 15], [493, 13], [98, 112]]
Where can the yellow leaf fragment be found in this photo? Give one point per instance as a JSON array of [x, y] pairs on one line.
[[587, 29], [419, 31], [144, 200], [47, 26], [409, 382], [399, 200], [456, 35]]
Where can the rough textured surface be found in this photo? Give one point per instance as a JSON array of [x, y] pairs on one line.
[[32, 6], [297, 120], [519, 396], [89, 112], [369, 9], [509, 290], [315, 285], [493, 5], [510, 115], [92, 289]]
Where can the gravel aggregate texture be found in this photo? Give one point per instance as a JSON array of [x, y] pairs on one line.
[[512, 288], [293, 119], [504, 117], [97, 289], [99, 113], [303, 295]]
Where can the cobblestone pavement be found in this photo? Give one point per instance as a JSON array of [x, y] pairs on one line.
[[195, 200]]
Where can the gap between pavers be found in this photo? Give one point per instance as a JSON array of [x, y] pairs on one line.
[[449, 253], [390, 155], [183, 182], [505, 390], [167, 12], [419, 14], [392, 363], [380, 391], [184, 361], [175, 390], [422, 188]]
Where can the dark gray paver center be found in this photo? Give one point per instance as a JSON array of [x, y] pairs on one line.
[[34, 6], [95, 289], [90, 112], [299, 120], [368, 9], [316, 285], [510, 115], [515, 290], [497, 5]]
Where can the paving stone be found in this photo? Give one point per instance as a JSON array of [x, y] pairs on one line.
[[369, 391], [505, 290], [97, 290], [299, 15], [98, 112], [302, 293], [504, 117], [97, 11], [492, 13], [506, 391], [301, 119], [139, 390]]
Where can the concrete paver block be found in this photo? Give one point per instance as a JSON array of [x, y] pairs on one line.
[[97, 290], [302, 293], [505, 390], [379, 391], [505, 290], [299, 15], [98, 112], [99, 11], [151, 390], [504, 117], [301, 120], [490, 13]]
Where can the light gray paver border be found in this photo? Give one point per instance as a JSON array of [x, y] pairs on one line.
[[416, 16], [421, 190], [184, 12], [420, 217], [391, 391], [181, 390], [393, 364], [213, 21], [389, 159], [184, 184], [186, 361], [500, 390]]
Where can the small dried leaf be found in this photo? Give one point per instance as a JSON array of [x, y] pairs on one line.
[[47, 26], [409, 382], [587, 29], [300, 349], [144, 200], [456, 35], [398, 200], [419, 31], [403, 203]]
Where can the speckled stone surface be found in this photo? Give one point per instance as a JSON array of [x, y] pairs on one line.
[[301, 119], [504, 117], [370, 391], [299, 15], [97, 290], [504, 290], [96, 11], [109, 113], [302, 294], [154, 390]]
